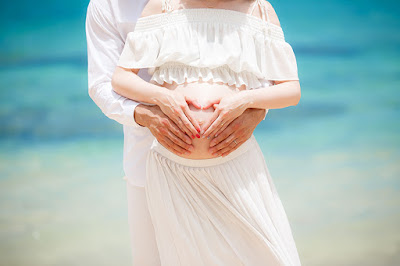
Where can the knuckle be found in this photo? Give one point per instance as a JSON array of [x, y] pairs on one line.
[[164, 122]]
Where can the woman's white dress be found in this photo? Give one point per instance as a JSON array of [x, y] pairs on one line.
[[226, 210]]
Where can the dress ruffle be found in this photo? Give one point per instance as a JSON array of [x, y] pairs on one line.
[[230, 47], [180, 73]]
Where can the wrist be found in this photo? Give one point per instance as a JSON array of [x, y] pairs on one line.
[[247, 98], [256, 114], [162, 96], [259, 114]]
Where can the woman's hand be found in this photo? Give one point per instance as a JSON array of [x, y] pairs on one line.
[[226, 110], [175, 106]]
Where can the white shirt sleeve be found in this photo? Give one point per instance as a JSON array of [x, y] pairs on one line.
[[104, 46]]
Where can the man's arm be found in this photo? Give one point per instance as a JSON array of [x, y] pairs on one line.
[[104, 46]]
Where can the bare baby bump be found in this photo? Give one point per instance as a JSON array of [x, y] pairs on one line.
[[203, 92]]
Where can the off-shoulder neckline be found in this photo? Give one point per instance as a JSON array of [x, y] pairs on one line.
[[149, 18]]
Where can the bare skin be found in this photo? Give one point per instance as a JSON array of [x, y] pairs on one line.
[[218, 114], [171, 137]]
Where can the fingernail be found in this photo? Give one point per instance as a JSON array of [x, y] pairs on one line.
[[190, 148], [187, 153], [216, 135], [208, 137], [193, 136], [198, 130], [198, 136], [204, 136]]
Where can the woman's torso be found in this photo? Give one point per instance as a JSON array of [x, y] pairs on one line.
[[202, 91], [207, 53]]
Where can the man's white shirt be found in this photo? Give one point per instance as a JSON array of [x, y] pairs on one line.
[[107, 24]]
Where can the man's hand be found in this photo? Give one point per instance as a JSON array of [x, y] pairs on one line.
[[237, 132], [163, 129]]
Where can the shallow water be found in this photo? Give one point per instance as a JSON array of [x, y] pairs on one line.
[[334, 157]]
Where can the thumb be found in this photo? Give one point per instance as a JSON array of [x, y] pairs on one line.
[[211, 103]]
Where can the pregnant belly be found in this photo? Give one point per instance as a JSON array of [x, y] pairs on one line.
[[202, 91]]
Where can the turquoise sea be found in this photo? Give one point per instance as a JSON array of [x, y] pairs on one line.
[[335, 157]]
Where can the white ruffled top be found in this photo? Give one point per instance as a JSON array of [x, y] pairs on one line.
[[221, 45]]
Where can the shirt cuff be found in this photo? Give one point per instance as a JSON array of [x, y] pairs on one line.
[[266, 112], [128, 114]]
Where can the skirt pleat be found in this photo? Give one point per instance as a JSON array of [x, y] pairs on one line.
[[217, 211]]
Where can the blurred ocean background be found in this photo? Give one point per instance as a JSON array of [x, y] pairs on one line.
[[335, 157]]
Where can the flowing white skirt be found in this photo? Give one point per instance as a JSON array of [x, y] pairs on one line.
[[222, 211]]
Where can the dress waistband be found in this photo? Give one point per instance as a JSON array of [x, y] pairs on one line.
[[159, 148]]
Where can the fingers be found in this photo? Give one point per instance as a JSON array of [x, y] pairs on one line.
[[192, 120], [214, 126], [232, 128], [223, 144], [175, 130], [171, 136], [167, 143], [231, 147], [193, 101], [178, 121], [219, 130], [207, 125], [189, 128], [211, 103], [179, 143]]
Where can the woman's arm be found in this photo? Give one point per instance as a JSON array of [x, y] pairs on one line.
[[127, 83], [281, 95]]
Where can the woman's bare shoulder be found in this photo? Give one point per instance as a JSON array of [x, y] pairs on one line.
[[273, 17], [152, 7]]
